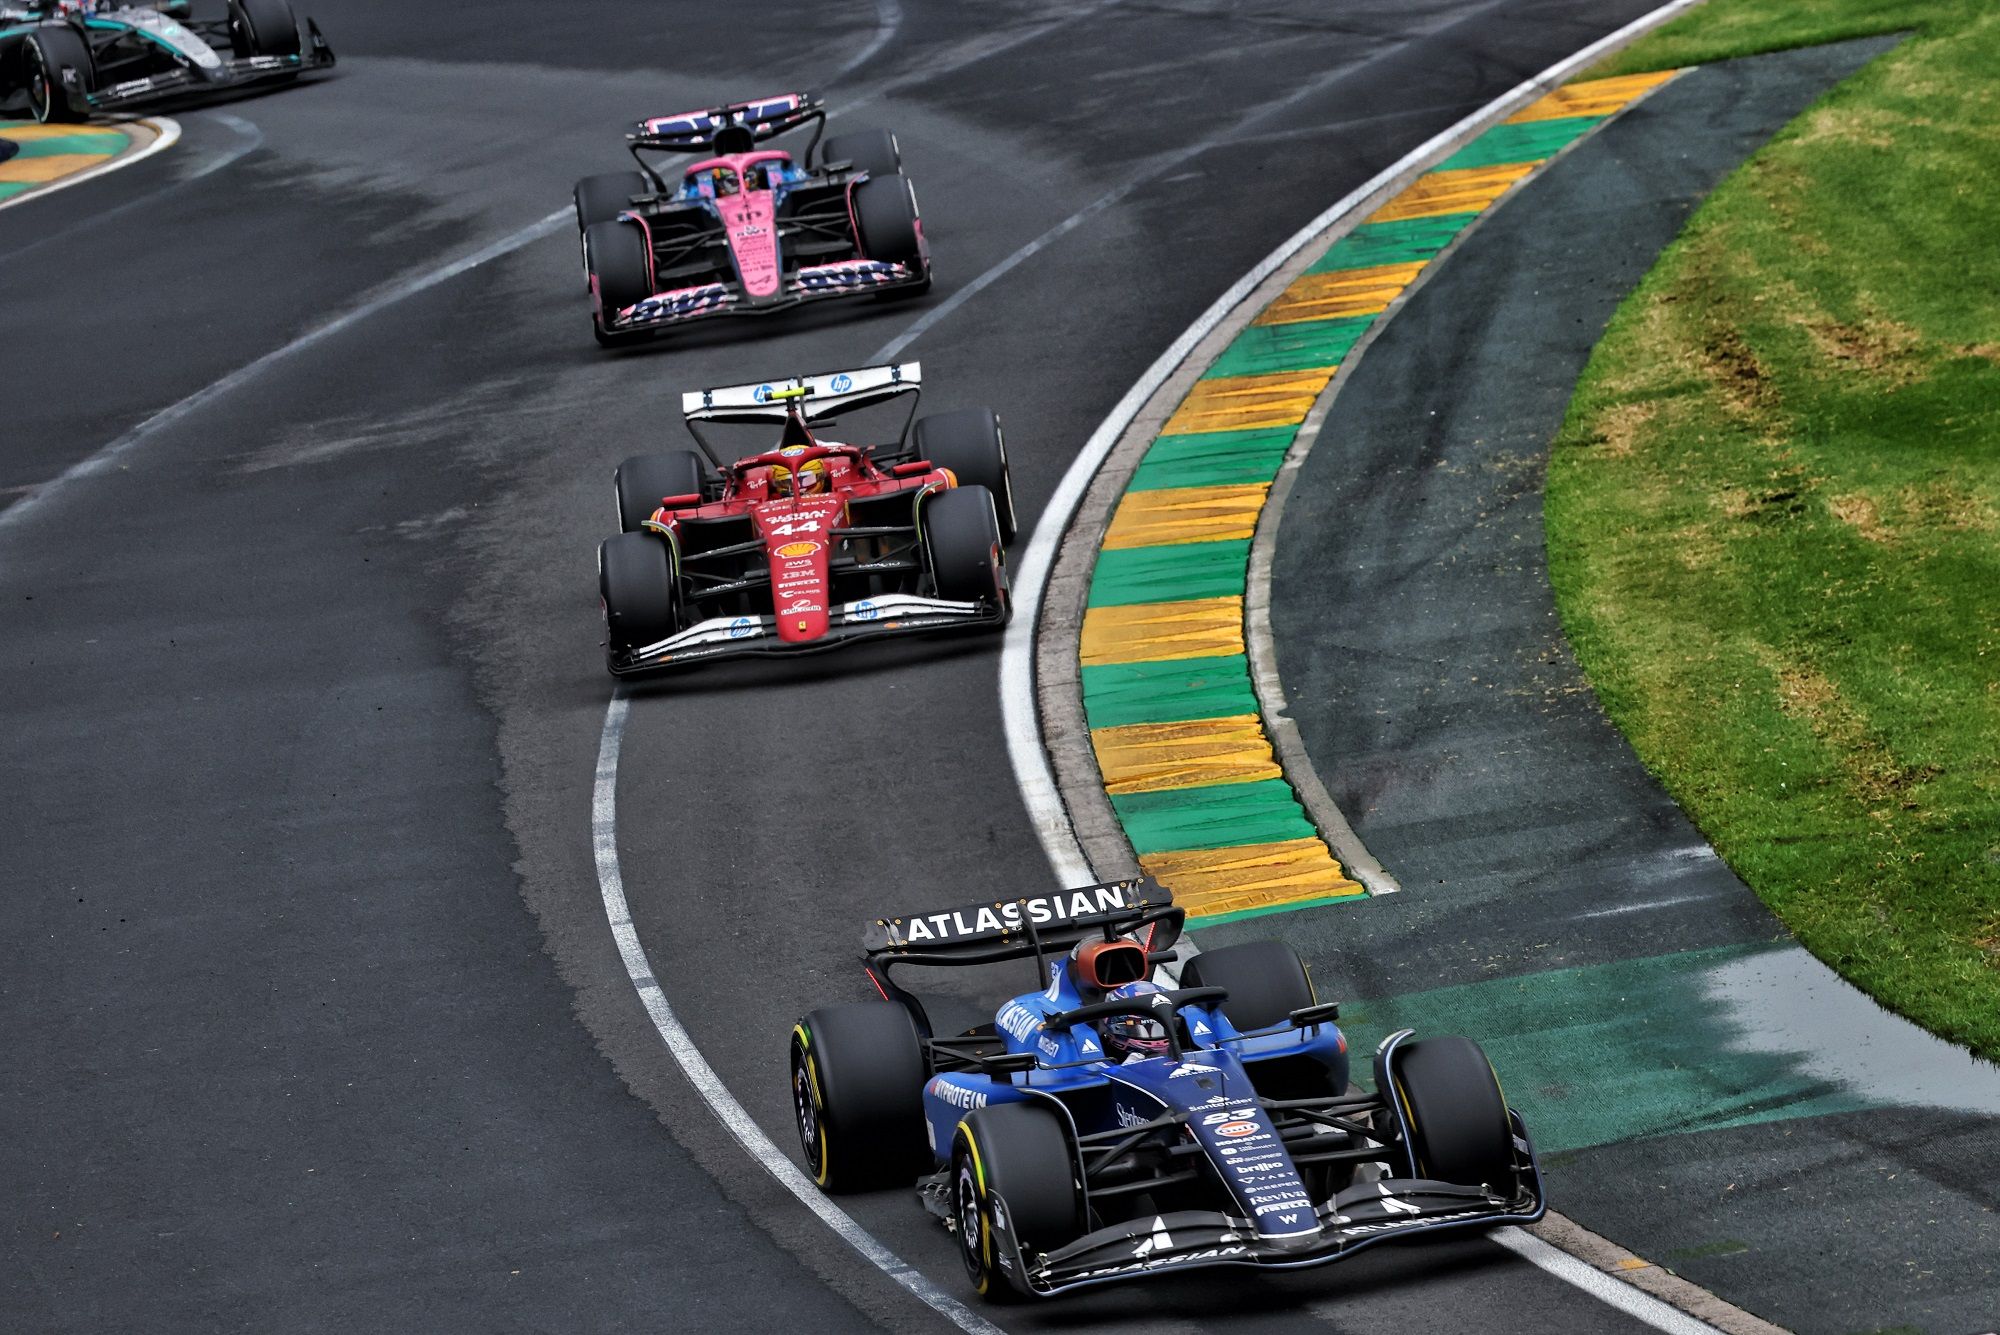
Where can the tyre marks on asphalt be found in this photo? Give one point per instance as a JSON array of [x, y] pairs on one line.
[[1166, 679]]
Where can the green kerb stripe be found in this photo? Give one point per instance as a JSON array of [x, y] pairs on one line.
[[9, 189], [102, 144], [1170, 573], [1226, 815], [1212, 459], [1529, 142], [1402, 242], [1115, 694], [1262, 349]]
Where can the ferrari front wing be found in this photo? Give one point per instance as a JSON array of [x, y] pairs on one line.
[[863, 619]]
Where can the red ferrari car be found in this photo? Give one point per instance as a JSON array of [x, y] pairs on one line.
[[813, 542], [743, 230]]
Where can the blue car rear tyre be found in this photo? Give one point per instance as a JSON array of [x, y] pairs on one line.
[[858, 1073]]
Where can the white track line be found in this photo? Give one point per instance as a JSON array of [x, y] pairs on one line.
[[105, 458], [888, 21], [1032, 771], [166, 130], [611, 884]]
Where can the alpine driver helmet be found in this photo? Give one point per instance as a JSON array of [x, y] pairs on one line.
[[1132, 1038]]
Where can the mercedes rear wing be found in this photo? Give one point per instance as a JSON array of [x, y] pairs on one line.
[[755, 121]]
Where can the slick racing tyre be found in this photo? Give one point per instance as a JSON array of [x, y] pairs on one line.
[[636, 580], [885, 219], [962, 537], [969, 443], [602, 198], [858, 1074], [45, 53], [873, 151], [1266, 980], [621, 273], [1459, 1131], [263, 28], [642, 481], [1013, 1163]]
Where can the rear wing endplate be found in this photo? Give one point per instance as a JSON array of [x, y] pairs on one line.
[[818, 397]]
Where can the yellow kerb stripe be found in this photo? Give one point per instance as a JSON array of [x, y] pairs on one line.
[[1597, 97], [1150, 632], [1248, 402], [48, 168], [1327, 296], [21, 134], [1186, 514], [1212, 881], [1467, 190], [1149, 757]]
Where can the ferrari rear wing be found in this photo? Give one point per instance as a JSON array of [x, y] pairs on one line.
[[818, 397], [703, 131]]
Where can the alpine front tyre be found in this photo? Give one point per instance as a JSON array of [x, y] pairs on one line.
[[885, 220], [858, 1073], [620, 265]]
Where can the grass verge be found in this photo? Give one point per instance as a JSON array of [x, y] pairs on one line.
[[1774, 508]]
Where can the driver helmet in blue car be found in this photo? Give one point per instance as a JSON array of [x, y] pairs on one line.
[[1133, 1038]]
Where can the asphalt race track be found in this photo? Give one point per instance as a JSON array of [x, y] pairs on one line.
[[313, 1018]]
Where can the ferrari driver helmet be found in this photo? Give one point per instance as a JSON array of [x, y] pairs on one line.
[[1132, 1038], [809, 478]]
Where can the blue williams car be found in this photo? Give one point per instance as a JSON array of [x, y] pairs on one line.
[[74, 58], [1104, 1127]]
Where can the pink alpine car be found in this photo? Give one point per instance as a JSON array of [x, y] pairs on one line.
[[744, 230]]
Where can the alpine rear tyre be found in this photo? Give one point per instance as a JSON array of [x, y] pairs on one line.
[[1012, 1168], [873, 151], [858, 1074], [602, 198]]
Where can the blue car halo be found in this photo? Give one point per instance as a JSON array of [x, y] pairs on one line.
[[1060, 1162]]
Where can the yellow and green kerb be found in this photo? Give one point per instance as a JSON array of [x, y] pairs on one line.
[[43, 154], [1167, 691]]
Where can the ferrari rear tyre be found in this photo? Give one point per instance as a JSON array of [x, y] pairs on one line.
[[602, 198], [885, 220], [642, 481], [1267, 981], [858, 1073], [636, 580], [621, 272], [263, 28], [1012, 1163], [969, 442], [873, 151], [1459, 1131], [962, 537], [47, 50]]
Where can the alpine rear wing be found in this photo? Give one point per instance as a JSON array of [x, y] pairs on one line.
[[1030, 925], [754, 121], [818, 397]]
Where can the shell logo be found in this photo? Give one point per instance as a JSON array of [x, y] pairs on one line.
[[798, 549]]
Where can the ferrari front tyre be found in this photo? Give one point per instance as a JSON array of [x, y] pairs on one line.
[[858, 1073], [602, 198], [1013, 1175], [1459, 1132], [961, 531], [47, 50], [644, 480], [636, 580], [263, 28], [1267, 981], [885, 220], [968, 441], [616, 256], [873, 151]]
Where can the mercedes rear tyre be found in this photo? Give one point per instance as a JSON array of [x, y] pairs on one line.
[[1013, 1188], [47, 51], [1267, 981], [644, 480], [873, 151], [635, 578], [858, 1073], [968, 441], [961, 533], [263, 28], [616, 257], [1459, 1132], [885, 220]]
